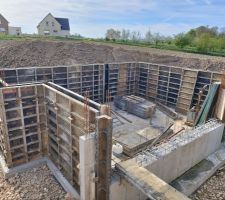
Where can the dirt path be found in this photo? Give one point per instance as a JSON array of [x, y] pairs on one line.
[[50, 53]]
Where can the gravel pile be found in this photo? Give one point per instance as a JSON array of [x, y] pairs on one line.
[[213, 189], [34, 184]]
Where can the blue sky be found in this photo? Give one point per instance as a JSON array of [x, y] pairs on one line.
[[92, 18]]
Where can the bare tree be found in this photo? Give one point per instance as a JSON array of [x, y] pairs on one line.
[[136, 36], [149, 36], [125, 34]]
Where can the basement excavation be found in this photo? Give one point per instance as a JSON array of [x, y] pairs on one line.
[[127, 131]]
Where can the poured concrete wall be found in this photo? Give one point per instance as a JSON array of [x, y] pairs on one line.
[[87, 167], [178, 161], [120, 189]]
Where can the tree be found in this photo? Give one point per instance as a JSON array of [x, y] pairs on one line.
[[135, 36], [182, 40], [206, 29], [113, 34], [125, 34], [157, 38], [202, 43], [149, 37]]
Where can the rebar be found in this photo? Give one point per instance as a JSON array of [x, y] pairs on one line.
[[149, 155]]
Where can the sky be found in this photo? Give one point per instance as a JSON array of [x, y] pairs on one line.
[[91, 18]]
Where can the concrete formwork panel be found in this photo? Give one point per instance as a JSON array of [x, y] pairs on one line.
[[172, 86], [40, 120], [22, 123]]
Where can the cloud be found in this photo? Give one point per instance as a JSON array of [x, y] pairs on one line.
[[191, 2], [208, 2], [93, 17]]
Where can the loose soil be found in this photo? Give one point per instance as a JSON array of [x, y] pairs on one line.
[[31, 53]]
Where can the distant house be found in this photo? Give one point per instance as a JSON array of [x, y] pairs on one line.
[[4, 25], [53, 26], [15, 30], [8, 30]]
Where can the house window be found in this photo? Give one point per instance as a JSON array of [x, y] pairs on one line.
[[46, 32], [53, 24], [55, 31], [47, 23]]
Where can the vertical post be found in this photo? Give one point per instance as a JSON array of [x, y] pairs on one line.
[[87, 167], [103, 157]]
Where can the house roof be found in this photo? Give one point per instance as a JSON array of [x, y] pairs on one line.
[[3, 17], [64, 22]]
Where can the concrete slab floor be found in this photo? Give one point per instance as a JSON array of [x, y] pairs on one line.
[[147, 129]]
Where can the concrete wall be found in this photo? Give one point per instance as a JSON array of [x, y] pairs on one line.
[[178, 161], [120, 189], [87, 167]]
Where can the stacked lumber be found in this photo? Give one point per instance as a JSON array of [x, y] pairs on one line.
[[135, 105]]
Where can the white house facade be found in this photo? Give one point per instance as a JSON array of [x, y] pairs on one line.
[[53, 26]]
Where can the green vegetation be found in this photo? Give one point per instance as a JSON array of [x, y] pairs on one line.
[[202, 40]]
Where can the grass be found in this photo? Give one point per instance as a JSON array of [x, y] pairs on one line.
[[163, 46]]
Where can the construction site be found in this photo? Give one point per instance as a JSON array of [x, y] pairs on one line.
[[113, 131]]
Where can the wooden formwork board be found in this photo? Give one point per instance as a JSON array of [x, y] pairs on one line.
[[21, 123], [30, 113], [103, 157], [66, 122], [77, 78]]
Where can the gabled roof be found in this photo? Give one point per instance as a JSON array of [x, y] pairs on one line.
[[64, 22], [49, 14], [1, 16]]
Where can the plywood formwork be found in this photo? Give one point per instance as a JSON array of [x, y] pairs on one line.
[[39, 119], [67, 122], [172, 86], [23, 120], [121, 78], [186, 92], [79, 78]]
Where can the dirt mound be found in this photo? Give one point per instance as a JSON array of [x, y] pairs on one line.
[[51, 53]]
